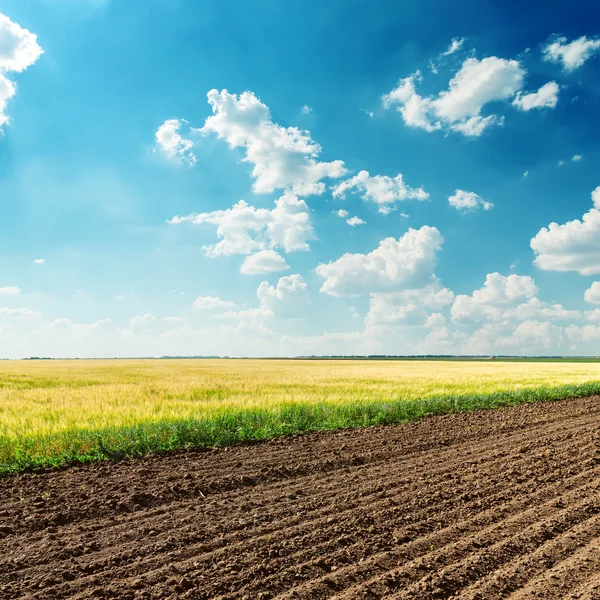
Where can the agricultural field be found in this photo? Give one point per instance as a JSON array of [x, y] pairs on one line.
[[57, 412], [163, 493]]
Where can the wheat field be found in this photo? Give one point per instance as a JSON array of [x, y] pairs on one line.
[[57, 412]]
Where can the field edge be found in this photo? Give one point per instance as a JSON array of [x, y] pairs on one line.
[[227, 427]]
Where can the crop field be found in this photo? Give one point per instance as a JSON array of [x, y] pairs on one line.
[[473, 504], [56, 412]]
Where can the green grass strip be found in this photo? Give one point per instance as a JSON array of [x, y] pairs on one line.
[[226, 427]]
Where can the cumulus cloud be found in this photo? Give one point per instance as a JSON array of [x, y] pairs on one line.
[[172, 144], [354, 221], [536, 309], [573, 246], [386, 309], [459, 108], [585, 333], [490, 301], [39, 261], [244, 229], [381, 189], [476, 84], [210, 303], [464, 201], [284, 300], [273, 297], [19, 49], [571, 55], [592, 294], [534, 335], [281, 157], [342, 214], [408, 307], [265, 261], [545, 97], [395, 264]]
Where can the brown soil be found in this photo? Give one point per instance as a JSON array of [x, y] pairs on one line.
[[485, 505]]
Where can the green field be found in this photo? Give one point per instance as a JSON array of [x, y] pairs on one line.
[[57, 412]]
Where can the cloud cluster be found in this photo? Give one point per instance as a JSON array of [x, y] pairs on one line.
[[19, 49], [281, 157], [381, 189], [245, 229], [573, 246], [459, 108], [490, 301], [406, 262], [571, 55]]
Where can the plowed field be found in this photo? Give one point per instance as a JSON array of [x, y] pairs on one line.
[[491, 504]]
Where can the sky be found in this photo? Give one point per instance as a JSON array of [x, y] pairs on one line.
[[289, 178]]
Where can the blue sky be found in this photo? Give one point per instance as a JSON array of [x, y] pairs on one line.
[[400, 166]]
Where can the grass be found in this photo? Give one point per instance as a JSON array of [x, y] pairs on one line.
[[58, 412]]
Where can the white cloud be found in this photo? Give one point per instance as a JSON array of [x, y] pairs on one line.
[[545, 97], [173, 145], [592, 315], [10, 290], [455, 45], [572, 54], [476, 84], [285, 300], [354, 221], [282, 157], [574, 246], [264, 261], [435, 321], [387, 309], [272, 297], [576, 157], [536, 309], [343, 214], [415, 109], [592, 294], [306, 109], [211, 302], [381, 189], [354, 313], [140, 322], [39, 261], [394, 264], [535, 335], [407, 308], [244, 229], [526, 174], [463, 200], [18, 50], [497, 294], [586, 333]]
